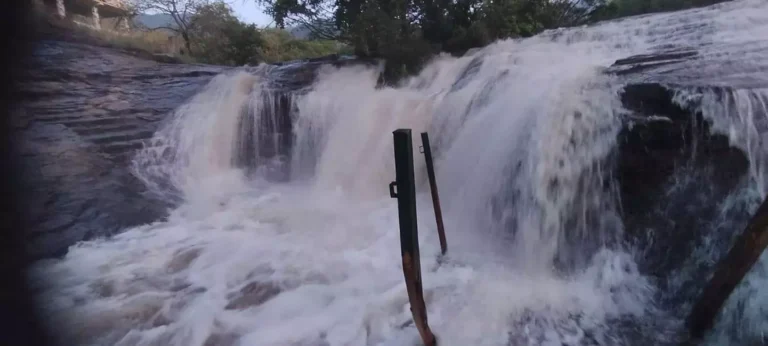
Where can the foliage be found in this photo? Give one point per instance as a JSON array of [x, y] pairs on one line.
[[220, 38], [155, 42], [314, 15], [181, 11], [214, 35], [279, 45], [407, 32]]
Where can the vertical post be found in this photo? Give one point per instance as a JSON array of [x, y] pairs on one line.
[[61, 10], [730, 271], [433, 189], [96, 18], [409, 235]]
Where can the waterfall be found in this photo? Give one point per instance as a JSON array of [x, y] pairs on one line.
[[285, 234]]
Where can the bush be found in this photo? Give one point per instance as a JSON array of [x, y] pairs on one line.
[[218, 37], [279, 45], [150, 41]]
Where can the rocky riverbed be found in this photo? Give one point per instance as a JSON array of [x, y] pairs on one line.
[[87, 109]]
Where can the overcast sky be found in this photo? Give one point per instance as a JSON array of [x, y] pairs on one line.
[[249, 12]]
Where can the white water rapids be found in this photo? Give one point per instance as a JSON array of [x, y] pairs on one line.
[[521, 131]]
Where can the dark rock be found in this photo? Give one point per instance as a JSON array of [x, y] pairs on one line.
[[657, 57], [88, 108], [222, 339], [639, 63], [73, 191], [673, 173], [715, 65], [252, 294], [166, 58], [277, 113], [299, 75], [85, 110]]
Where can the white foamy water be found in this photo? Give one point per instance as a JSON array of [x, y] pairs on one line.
[[521, 132]]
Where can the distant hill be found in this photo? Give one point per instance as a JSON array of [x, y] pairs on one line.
[[153, 21]]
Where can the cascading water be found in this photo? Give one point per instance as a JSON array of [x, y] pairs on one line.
[[525, 137]]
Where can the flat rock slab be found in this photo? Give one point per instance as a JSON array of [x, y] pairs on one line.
[[738, 66], [85, 111]]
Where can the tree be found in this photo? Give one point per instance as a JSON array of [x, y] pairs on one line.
[[407, 32], [316, 16], [181, 11], [220, 38], [280, 45]]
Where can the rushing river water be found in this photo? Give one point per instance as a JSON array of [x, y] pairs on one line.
[[303, 249]]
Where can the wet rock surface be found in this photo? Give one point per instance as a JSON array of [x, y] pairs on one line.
[[675, 175], [738, 65], [298, 75], [73, 191], [277, 111], [650, 62], [85, 111], [252, 294]]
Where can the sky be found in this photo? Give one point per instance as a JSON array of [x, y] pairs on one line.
[[249, 12]]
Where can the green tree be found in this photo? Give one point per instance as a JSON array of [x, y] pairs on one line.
[[181, 11], [220, 38], [407, 32], [280, 45]]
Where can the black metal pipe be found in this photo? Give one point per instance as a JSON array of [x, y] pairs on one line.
[[409, 234], [433, 189]]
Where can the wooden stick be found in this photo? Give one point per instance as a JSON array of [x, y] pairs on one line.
[[730, 271], [433, 189], [409, 234]]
